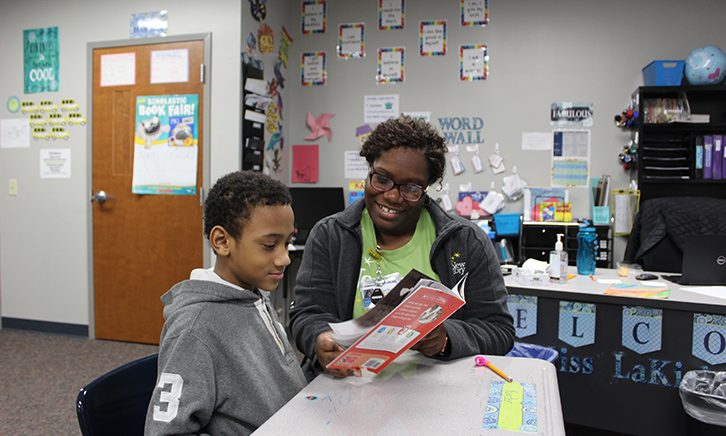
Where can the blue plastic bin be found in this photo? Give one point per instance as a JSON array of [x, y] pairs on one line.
[[507, 224], [533, 351], [663, 73]]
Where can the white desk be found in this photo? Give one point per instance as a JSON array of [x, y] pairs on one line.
[[417, 395], [624, 373]]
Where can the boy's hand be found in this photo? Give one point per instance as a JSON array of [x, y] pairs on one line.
[[327, 349], [434, 342]]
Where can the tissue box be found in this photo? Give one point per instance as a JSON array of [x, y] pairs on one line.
[[533, 279]]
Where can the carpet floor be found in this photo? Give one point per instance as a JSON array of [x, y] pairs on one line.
[[41, 375]]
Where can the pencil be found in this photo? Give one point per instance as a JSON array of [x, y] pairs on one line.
[[482, 361], [592, 277]]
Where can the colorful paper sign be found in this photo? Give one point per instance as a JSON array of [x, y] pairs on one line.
[[474, 12], [313, 17], [473, 62], [351, 41], [166, 145], [391, 14], [390, 65], [41, 54], [313, 68], [432, 38]]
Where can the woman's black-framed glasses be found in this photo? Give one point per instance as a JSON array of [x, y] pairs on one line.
[[409, 191]]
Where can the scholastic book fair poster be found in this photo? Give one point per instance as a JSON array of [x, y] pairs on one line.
[[166, 145]]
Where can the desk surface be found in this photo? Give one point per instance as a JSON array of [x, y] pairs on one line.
[[419, 395], [604, 277]]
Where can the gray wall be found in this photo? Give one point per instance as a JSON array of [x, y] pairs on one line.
[[539, 53], [44, 231]]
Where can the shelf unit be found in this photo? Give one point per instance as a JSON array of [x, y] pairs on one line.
[[538, 239], [666, 151]]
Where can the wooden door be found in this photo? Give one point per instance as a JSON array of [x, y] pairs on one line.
[[142, 244]]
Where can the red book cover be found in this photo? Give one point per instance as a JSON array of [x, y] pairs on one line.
[[419, 310]]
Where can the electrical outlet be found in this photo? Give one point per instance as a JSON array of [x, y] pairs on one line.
[[13, 187]]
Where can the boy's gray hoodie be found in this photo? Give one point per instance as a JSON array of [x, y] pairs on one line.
[[225, 364]]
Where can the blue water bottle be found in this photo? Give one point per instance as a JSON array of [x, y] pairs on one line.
[[586, 248]]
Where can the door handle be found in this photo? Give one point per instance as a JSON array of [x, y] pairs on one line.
[[101, 197]]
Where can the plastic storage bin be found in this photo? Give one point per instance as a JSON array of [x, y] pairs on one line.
[[703, 394], [663, 73], [533, 351], [507, 224]]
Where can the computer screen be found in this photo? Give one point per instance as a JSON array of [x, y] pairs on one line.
[[311, 205]]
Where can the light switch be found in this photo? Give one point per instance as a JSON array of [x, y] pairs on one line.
[[13, 187]]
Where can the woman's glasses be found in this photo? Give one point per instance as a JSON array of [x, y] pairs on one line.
[[409, 191]]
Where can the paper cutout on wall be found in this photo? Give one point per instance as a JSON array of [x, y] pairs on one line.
[[577, 323], [642, 329], [305, 163], [709, 338], [524, 310], [363, 132], [319, 126]]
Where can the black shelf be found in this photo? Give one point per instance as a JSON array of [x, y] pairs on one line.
[[666, 151]]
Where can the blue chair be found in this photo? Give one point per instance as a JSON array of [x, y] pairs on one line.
[[116, 402]]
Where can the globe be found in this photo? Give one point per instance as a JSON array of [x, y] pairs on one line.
[[706, 66]]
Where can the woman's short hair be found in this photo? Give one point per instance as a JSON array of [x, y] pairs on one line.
[[408, 132]]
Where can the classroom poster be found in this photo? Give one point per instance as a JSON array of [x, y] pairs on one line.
[[571, 158], [41, 54], [390, 14], [432, 38], [473, 62], [313, 17], [474, 12], [313, 68], [166, 145], [351, 41], [390, 65]]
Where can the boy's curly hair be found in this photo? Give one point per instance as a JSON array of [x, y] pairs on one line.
[[409, 132], [234, 196]]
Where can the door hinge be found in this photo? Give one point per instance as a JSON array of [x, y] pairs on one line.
[[201, 196], [201, 73]]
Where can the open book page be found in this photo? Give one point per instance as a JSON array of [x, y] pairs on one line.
[[420, 310], [347, 332]]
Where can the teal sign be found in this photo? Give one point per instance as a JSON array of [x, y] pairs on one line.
[[41, 53]]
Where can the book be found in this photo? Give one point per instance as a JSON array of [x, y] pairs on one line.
[[717, 157], [698, 158], [412, 309], [708, 157]]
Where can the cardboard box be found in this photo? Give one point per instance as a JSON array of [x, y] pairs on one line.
[[663, 73]]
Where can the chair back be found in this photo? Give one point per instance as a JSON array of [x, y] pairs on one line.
[[116, 402]]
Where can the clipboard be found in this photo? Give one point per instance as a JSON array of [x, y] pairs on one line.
[[625, 204]]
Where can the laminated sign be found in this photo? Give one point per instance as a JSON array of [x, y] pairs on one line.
[[41, 58]]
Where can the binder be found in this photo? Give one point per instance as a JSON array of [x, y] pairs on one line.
[[717, 157], [698, 158], [708, 157]]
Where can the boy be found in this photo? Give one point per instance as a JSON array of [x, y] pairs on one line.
[[225, 364]]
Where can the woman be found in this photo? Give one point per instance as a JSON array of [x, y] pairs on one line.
[[379, 240]]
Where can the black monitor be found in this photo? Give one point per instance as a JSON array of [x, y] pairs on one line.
[[311, 205]]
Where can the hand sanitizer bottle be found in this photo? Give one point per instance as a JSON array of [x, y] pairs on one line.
[[558, 261]]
